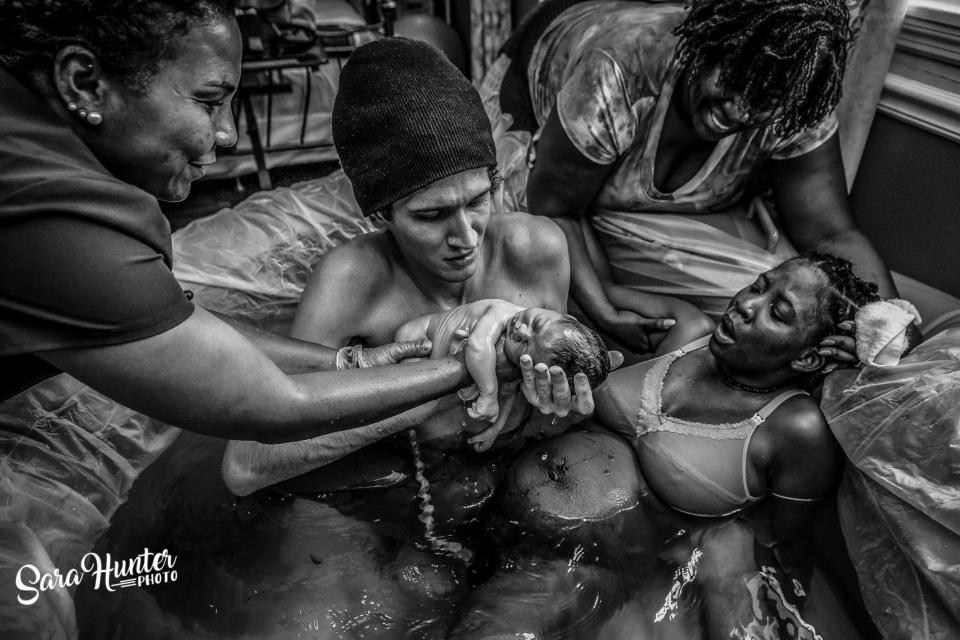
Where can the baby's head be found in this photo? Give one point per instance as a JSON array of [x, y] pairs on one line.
[[557, 339]]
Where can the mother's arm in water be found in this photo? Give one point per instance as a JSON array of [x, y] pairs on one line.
[[204, 376]]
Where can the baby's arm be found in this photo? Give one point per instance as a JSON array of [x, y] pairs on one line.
[[491, 317], [415, 329]]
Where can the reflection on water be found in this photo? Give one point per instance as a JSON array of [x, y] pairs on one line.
[[681, 578], [355, 564]]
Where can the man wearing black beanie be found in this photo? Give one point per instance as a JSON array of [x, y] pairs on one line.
[[416, 144]]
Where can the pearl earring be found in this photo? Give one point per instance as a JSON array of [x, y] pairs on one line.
[[82, 113], [94, 118], [71, 106]]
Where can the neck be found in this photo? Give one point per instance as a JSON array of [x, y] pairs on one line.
[[441, 293], [749, 382]]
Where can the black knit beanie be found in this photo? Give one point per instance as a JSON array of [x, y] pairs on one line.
[[405, 117]]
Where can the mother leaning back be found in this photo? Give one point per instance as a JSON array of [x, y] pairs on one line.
[[107, 112]]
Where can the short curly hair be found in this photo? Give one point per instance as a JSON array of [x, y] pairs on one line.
[[129, 37], [781, 56]]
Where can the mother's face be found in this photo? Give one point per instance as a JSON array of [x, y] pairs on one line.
[[162, 138], [773, 321]]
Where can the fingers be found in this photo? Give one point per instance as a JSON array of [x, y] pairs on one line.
[[614, 359], [529, 384], [583, 396], [561, 391], [469, 393], [541, 378], [840, 348], [484, 440], [395, 352], [656, 324]]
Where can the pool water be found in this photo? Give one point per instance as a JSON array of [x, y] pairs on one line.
[[356, 564]]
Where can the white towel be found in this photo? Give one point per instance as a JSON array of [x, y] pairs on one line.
[[882, 331]]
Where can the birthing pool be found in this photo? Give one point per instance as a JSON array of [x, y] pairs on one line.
[[355, 565]]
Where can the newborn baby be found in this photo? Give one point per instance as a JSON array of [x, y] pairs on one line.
[[493, 327]]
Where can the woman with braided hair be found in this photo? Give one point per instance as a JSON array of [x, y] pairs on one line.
[[109, 106], [655, 124], [736, 455]]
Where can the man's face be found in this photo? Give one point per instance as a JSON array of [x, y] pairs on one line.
[[439, 229]]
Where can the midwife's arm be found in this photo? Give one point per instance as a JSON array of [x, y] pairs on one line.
[[811, 197], [204, 376], [300, 356], [251, 466]]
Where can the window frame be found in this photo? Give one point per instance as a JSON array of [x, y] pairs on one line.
[[922, 86]]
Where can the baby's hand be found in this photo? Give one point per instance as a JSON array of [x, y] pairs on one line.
[[484, 440], [485, 408]]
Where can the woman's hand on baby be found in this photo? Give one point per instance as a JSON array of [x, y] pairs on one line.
[[839, 349], [394, 352]]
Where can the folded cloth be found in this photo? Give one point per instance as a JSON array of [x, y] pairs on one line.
[[882, 331]]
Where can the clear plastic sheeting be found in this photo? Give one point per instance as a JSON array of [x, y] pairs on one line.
[[68, 457], [899, 503], [253, 260]]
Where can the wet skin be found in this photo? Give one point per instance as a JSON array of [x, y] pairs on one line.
[[532, 332]]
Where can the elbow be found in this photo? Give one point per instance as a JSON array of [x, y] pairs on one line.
[[241, 479]]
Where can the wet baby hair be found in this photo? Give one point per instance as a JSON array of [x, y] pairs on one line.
[[781, 56], [580, 349]]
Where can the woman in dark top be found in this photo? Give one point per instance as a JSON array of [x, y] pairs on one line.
[[109, 105]]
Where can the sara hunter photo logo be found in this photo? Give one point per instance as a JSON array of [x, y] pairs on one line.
[[146, 569]]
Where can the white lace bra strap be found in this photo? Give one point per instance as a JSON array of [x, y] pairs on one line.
[[774, 404], [699, 343]]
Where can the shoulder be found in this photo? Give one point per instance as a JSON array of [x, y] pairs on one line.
[[529, 240], [800, 429], [360, 264]]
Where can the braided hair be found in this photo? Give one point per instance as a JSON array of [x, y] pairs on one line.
[[781, 56], [847, 292], [129, 37]]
